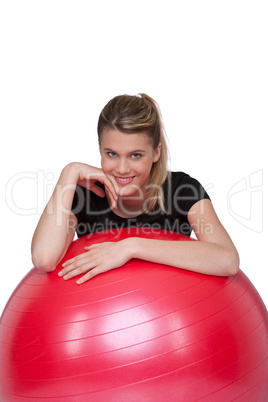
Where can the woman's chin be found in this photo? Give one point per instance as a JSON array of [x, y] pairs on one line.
[[129, 191]]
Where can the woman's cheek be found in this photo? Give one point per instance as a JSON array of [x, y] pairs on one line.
[[106, 166]]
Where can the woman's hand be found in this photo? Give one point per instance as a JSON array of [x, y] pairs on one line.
[[89, 175], [97, 259]]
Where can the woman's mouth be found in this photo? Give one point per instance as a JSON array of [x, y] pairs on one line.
[[123, 180]]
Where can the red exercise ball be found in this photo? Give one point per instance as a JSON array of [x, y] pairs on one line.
[[143, 332]]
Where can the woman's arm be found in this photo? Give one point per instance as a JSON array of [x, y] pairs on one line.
[[214, 253], [56, 227]]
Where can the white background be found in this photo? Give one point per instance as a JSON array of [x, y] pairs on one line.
[[205, 62]]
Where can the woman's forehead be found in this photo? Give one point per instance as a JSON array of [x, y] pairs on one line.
[[116, 138]]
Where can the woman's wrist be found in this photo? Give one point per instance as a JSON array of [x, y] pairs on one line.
[[132, 245]]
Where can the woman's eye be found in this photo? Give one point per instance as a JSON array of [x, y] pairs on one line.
[[135, 156], [112, 154]]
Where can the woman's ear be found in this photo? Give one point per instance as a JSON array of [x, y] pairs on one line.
[[157, 152]]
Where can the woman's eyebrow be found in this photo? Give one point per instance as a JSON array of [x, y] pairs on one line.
[[131, 152], [137, 151]]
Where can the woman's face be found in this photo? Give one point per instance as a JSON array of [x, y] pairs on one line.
[[127, 160]]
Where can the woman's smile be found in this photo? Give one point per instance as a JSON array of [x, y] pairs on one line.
[[123, 180]]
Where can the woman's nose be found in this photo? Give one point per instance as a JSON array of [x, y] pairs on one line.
[[123, 166]]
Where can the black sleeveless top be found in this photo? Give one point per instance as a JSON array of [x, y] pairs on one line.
[[180, 191]]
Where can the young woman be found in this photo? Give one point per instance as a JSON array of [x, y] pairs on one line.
[[132, 188]]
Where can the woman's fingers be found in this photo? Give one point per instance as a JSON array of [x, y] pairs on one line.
[[76, 266], [99, 258], [90, 175], [111, 191], [77, 271], [95, 245], [97, 190], [89, 275], [102, 178], [80, 264]]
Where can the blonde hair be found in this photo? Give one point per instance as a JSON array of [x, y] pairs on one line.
[[140, 114]]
